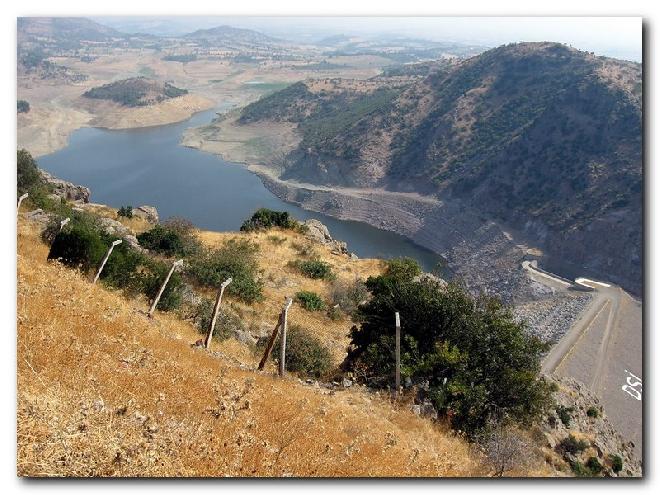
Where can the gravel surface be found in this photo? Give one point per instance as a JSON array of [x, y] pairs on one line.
[[549, 319]]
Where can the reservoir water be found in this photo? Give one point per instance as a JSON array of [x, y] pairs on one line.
[[149, 166]]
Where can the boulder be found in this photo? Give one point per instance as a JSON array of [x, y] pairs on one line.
[[428, 410], [67, 190], [148, 213], [115, 228], [39, 216]]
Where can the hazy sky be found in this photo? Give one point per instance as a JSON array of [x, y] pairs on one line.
[[619, 37]]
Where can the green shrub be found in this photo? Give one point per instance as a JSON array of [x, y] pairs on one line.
[[236, 259], [572, 445], [315, 269], [22, 106], [126, 268], [171, 297], [83, 245], [161, 240], [593, 412], [564, 414], [311, 301], [305, 354], [403, 269], [480, 363], [79, 246], [264, 219], [226, 324], [617, 462], [594, 466], [175, 237], [579, 469], [125, 211]]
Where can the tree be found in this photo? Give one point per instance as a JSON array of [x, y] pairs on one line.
[[27, 172], [479, 361]]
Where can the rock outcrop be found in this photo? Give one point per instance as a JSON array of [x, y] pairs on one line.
[[146, 212], [318, 232], [67, 190], [113, 227]]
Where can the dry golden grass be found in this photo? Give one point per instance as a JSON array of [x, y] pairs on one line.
[[277, 248], [136, 224], [105, 391]]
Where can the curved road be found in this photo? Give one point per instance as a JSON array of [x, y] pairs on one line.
[[603, 350]]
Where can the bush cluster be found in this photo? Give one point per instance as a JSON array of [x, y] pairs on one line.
[[305, 354], [315, 269], [479, 362], [593, 412], [174, 237], [571, 445], [82, 244], [311, 301], [264, 219], [564, 414], [236, 259], [29, 180], [617, 463], [591, 468], [226, 324]]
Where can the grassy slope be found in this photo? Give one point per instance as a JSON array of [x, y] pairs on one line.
[[104, 391]]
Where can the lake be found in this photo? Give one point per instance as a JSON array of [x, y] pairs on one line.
[[148, 166]]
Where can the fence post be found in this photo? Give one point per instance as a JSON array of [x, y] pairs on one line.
[[285, 312], [105, 260], [20, 200], [216, 308], [64, 222], [397, 376], [271, 343], [162, 287]]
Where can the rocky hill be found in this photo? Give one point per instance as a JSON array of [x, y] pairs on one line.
[[538, 136], [230, 36], [135, 92]]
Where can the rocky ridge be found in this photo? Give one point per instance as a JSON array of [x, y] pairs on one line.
[[583, 418]]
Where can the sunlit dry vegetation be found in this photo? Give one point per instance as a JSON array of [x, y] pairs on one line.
[[105, 391]]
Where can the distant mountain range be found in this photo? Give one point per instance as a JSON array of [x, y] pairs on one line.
[[63, 30]]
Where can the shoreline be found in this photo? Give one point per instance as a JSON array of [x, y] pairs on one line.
[[52, 138], [466, 244]]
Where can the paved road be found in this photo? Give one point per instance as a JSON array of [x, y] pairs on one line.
[[603, 350]]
